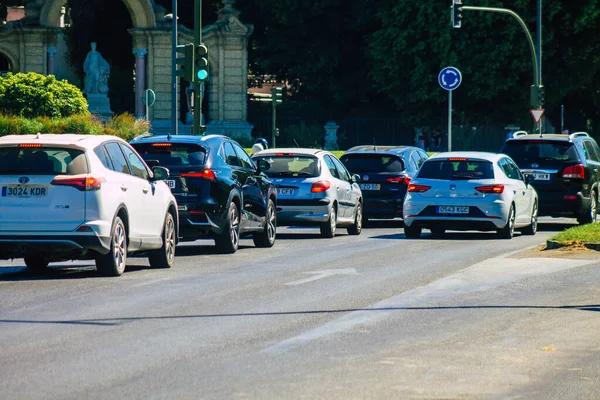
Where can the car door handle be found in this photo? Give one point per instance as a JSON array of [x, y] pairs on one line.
[[124, 188]]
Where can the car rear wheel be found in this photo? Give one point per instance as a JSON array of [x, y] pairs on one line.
[[266, 238], [113, 263], [228, 241], [356, 228], [165, 256], [508, 230], [412, 231], [35, 262], [328, 228], [531, 229], [592, 212]]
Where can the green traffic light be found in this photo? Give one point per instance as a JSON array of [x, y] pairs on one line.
[[202, 74]]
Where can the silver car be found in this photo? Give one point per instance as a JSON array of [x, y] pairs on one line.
[[314, 189]]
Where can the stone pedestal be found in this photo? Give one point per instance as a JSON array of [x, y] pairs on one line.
[[99, 104], [331, 129]]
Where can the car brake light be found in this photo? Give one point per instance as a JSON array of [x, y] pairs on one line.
[[206, 174], [574, 171], [161, 144], [497, 189], [80, 182], [30, 145], [320, 186], [398, 179], [418, 188], [457, 159]]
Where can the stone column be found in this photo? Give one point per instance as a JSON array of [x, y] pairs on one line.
[[140, 80], [50, 60], [331, 129]]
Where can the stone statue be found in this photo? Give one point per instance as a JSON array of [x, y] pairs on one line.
[[96, 70]]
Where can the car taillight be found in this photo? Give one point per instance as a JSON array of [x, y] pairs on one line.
[[80, 182], [497, 189], [398, 179], [574, 171], [320, 186], [206, 174], [418, 188]]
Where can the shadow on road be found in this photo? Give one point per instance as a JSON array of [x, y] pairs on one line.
[[124, 320]]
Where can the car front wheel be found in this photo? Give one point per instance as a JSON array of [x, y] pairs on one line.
[[227, 242], [165, 256], [266, 238]]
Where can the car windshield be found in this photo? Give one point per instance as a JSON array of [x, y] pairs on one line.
[[449, 169], [363, 163], [534, 151], [291, 166], [42, 161], [171, 154]]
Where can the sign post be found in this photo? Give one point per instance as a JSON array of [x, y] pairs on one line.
[[148, 99], [449, 79]]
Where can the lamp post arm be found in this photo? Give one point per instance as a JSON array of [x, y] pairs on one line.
[[536, 74]]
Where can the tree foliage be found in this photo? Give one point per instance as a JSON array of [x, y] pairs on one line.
[[32, 95]]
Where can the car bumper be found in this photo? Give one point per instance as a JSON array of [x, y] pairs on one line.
[[55, 245], [562, 204], [303, 212], [382, 207]]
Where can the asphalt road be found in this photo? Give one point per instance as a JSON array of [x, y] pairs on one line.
[[375, 316]]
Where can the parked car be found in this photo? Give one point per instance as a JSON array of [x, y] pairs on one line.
[[470, 191], [566, 171], [314, 189], [66, 197], [222, 194], [385, 172]]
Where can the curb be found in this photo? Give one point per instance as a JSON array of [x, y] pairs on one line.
[[551, 244]]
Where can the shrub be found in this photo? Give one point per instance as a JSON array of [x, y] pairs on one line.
[[126, 126], [32, 95]]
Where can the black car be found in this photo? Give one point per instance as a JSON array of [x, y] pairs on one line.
[[566, 171], [221, 193], [385, 172]]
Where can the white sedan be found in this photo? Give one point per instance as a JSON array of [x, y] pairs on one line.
[[470, 191], [66, 197]]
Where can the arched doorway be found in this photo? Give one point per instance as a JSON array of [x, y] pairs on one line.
[[4, 64]]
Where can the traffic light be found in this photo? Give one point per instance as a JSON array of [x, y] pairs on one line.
[[541, 94], [186, 61], [200, 63], [537, 96], [456, 13], [276, 95]]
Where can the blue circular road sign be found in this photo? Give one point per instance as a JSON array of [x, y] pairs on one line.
[[449, 78]]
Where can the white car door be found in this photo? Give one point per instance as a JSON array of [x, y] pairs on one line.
[[520, 192], [337, 186]]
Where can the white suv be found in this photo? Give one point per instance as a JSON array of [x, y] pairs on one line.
[[66, 197]]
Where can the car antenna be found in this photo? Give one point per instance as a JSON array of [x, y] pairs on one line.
[[297, 145], [374, 146], [169, 136]]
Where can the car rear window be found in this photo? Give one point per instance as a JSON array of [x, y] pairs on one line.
[[291, 166], [43, 160], [363, 163], [171, 154], [535, 151], [456, 169]]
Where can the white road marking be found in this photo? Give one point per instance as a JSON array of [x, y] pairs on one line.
[[486, 275], [323, 274]]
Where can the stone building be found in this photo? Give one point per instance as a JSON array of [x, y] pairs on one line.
[[35, 43]]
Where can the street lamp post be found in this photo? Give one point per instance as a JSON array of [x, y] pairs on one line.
[[173, 17]]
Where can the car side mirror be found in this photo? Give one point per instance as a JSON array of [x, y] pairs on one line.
[[529, 178], [355, 178], [262, 165], [159, 173]]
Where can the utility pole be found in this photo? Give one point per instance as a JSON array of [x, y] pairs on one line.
[[197, 128], [174, 116], [539, 62]]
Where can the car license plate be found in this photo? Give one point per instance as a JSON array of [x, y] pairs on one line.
[[369, 186], [452, 210], [541, 177], [170, 183], [24, 191], [285, 191]]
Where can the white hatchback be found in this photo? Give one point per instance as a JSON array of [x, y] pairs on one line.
[[67, 196], [470, 191]]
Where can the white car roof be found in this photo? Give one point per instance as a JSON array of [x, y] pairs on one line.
[[294, 150], [80, 140], [492, 157]]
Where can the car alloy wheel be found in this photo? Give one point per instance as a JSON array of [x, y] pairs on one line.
[[266, 238], [113, 263], [165, 256], [531, 229], [119, 249], [356, 228], [234, 226], [228, 240], [328, 227], [508, 230]]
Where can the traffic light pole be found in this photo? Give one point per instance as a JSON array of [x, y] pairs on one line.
[[196, 127], [273, 122], [174, 119]]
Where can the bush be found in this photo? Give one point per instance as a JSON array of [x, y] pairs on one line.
[[126, 126], [33, 95]]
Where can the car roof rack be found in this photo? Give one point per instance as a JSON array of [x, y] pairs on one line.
[[577, 134], [519, 133]]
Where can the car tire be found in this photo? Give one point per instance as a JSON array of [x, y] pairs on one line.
[[531, 229], [412, 231], [356, 227], [36, 262], [113, 263], [591, 214], [227, 242], [437, 232], [329, 227], [266, 238], [165, 256], [508, 230]]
